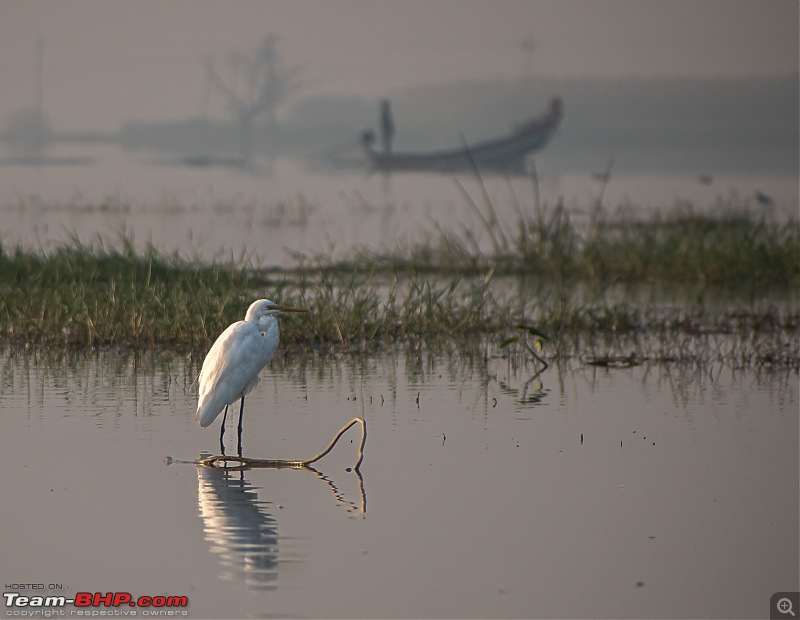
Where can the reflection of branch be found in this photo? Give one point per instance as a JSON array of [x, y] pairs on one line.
[[538, 392], [538, 389], [221, 462], [338, 494]]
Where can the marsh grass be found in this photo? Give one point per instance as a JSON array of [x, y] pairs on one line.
[[550, 273], [728, 246], [90, 295]]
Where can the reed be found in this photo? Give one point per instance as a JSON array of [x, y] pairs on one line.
[[681, 245], [578, 285]]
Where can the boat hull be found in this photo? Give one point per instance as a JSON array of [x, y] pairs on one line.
[[507, 152]]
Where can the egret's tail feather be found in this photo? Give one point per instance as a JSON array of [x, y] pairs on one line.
[[207, 412]]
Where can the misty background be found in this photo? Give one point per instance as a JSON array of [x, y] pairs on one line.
[[723, 125], [706, 87]]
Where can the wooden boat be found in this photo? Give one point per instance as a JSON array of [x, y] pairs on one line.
[[504, 153]]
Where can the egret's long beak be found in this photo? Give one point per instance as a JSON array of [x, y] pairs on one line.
[[291, 309]]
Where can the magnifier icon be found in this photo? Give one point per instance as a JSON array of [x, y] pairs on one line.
[[785, 606]]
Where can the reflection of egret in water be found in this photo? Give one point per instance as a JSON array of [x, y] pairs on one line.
[[237, 524], [238, 527]]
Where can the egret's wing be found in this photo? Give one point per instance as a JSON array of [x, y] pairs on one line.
[[230, 370]]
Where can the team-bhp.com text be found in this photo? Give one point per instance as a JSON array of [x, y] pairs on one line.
[[94, 604]]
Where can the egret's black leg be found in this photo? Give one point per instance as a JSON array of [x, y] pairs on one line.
[[222, 431], [241, 411]]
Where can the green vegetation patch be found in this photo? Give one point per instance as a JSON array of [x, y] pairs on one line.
[[731, 247], [575, 284], [93, 295]]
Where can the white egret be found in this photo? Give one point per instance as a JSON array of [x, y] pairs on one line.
[[231, 368]]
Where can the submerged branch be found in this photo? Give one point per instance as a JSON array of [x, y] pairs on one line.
[[245, 463]]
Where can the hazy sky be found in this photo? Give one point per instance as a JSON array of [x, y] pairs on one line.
[[108, 61]]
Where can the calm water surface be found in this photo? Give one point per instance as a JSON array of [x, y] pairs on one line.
[[485, 492]]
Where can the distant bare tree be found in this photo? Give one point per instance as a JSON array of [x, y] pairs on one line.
[[255, 86]]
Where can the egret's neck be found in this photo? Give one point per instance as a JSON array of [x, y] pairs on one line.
[[265, 322]]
